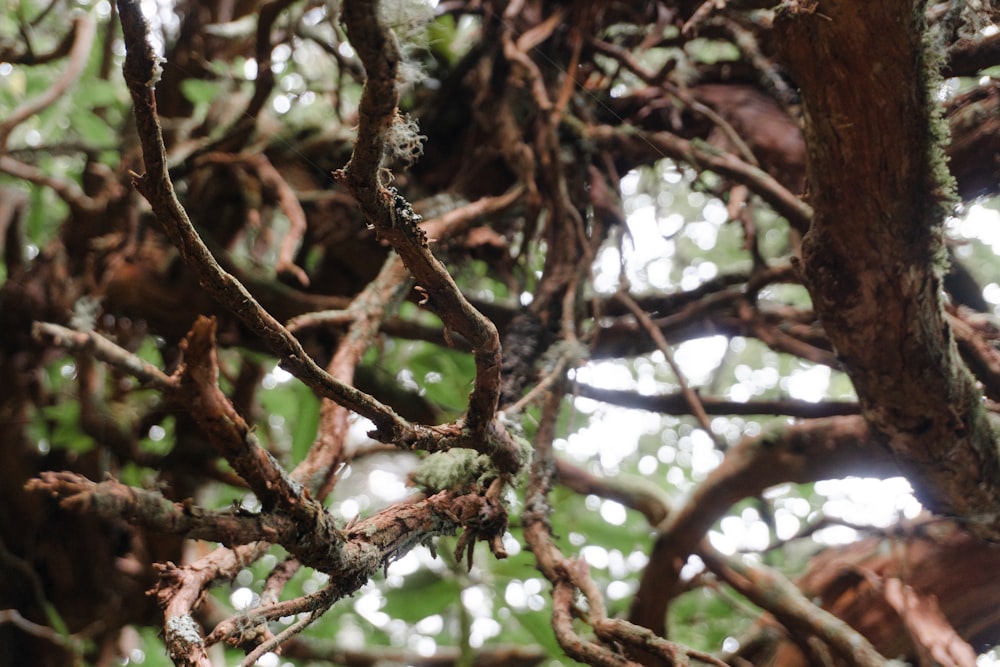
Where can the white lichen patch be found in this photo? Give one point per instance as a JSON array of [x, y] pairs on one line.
[[403, 141], [183, 630]]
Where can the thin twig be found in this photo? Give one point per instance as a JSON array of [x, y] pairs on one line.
[[694, 403], [320, 600], [68, 190], [626, 58], [548, 558], [703, 156], [91, 342], [703, 12], [676, 403], [14, 617], [288, 201], [280, 638]]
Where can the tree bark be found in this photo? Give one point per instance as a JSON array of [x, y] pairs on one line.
[[873, 257]]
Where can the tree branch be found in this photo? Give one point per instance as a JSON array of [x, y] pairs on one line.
[[141, 72], [873, 256], [395, 221], [677, 404], [770, 590], [815, 449], [702, 156]]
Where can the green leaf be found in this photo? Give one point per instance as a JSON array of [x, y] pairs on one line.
[[703, 620], [424, 594], [199, 91], [300, 408], [440, 35], [538, 624], [91, 127], [98, 93], [44, 213], [66, 433], [154, 651], [306, 421]]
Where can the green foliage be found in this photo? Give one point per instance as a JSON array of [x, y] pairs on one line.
[[44, 213], [712, 51], [703, 618], [535, 627], [296, 408], [425, 593], [151, 652], [63, 421], [450, 40], [442, 375], [440, 37], [201, 91]]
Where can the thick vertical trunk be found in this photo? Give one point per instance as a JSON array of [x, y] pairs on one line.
[[873, 257]]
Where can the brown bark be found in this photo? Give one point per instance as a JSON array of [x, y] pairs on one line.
[[948, 577], [873, 252]]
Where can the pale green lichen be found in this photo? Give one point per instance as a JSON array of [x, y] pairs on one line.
[[452, 469], [462, 467], [408, 20], [524, 449], [85, 313], [572, 353], [940, 186]]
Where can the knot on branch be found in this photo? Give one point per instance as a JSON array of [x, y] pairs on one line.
[[484, 518], [403, 215], [74, 491]]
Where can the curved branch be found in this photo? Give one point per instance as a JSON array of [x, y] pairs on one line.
[[816, 449], [141, 72], [770, 590], [394, 219]]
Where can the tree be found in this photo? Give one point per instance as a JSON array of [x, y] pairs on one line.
[[319, 247]]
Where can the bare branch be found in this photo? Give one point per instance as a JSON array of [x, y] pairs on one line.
[[141, 70], [677, 404], [702, 156], [91, 342], [395, 221]]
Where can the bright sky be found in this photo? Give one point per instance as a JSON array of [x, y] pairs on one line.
[[617, 431]]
